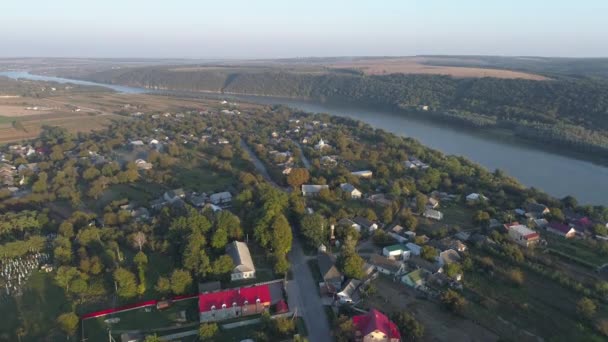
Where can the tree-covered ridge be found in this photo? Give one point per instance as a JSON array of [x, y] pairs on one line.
[[570, 112]]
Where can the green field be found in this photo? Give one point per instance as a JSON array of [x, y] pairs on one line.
[[161, 322], [576, 250], [36, 310]]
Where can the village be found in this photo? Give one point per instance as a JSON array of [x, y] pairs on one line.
[[233, 223]]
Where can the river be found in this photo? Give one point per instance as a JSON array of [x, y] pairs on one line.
[[553, 173]]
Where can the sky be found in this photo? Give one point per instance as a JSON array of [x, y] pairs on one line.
[[290, 28]]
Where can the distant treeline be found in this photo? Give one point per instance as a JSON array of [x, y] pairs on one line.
[[571, 112]]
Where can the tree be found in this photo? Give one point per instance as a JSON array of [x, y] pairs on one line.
[[297, 177], [226, 152], [281, 235], [219, 239], [284, 326], [40, 185], [139, 240], [180, 281], [208, 331], [481, 218], [586, 308], [351, 263], [222, 265], [65, 275], [429, 253], [453, 301], [556, 214], [453, 270], [314, 228], [409, 327], [281, 264], [516, 276], [345, 329], [68, 322], [163, 285], [421, 201], [140, 259], [153, 338], [231, 223], [127, 285]]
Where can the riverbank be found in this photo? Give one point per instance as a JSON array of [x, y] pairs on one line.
[[532, 164]]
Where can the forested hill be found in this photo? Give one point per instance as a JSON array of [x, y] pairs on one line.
[[573, 112]]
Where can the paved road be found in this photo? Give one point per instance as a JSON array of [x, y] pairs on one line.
[[302, 291], [303, 294], [305, 160]]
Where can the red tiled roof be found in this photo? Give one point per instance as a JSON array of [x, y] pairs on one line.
[[230, 296], [532, 236], [375, 320]]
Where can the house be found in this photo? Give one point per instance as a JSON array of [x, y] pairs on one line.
[[537, 209], [348, 292], [221, 198], [363, 174], [375, 326], [523, 235], [397, 229], [349, 223], [431, 267], [449, 243], [140, 214], [561, 229], [211, 206], [540, 223], [243, 264], [394, 251], [475, 197], [415, 278], [449, 256], [329, 272], [312, 190], [321, 145], [414, 163], [365, 223], [174, 195], [433, 214], [414, 248], [350, 190], [198, 200], [143, 165], [432, 203], [158, 203], [231, 303], [399, 238], [380, 199], [385, 265], [136, 143]]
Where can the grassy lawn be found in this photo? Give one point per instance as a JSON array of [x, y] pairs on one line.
[[95, 328], [202, 179], [140, 193], [240, 333], [454, 214], [575, 249], [36, 310]]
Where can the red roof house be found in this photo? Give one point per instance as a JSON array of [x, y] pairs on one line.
[[375, 326], [561, 229], [232, 303]]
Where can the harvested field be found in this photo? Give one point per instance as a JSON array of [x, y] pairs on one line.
[[414, 65]]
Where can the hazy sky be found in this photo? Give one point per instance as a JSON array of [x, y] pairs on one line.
[[290, 28]]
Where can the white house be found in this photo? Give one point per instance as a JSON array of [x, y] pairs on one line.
[[221, 198], [394, 251], [365, 223], [363, 173], [350, 190], [174, 195], [243, 264], [523, 235], [414, 248], [321, 145], [346, 295], [475, 197], [433, 214], [312, 190]]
